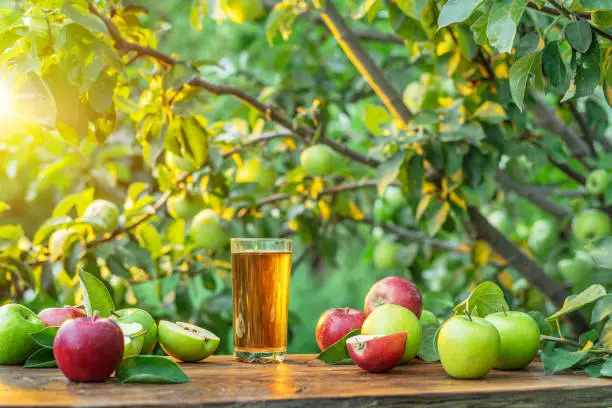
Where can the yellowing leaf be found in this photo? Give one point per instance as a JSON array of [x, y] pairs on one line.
[[491, 112], [423, 204], [373, 117], [501, 71], [316, 187], [434, 225], [290, 144], [454, 62], [481, 253], [294, 225], [454, 197], [355, 212], [325, 210]]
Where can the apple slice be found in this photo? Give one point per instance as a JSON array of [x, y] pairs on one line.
[[186, 342], [377, 353]]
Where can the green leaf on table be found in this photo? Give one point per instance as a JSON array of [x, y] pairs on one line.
[[337, 353], [558, 359], [602, 309], [95, 295], [578, 35], [388, 170], [606, 368], [553, 65], [519, 74], [503, 20], [46, 336], [485, 299], [545, 327], [588, 71], [455, 11], [150, 369], [429, 350], [41, 358], [575, 302]]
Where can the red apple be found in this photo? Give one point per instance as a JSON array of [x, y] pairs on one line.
[[397, 291], [55, 316], [88, 348], [337, 323], [377, 353]]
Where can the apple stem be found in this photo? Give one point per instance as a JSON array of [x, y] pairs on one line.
[[467, 313], [504, 310], [115, 314], [95, 315]]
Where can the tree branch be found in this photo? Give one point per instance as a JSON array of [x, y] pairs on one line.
[[527, 267], [589, 134], [568, 170], [535, 196], [263, 138], [547, 119], [270, 112], [364, 64]]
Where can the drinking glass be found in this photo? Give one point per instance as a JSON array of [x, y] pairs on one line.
[[260, 295]]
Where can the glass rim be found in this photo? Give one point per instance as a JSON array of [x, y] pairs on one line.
[[261, 245], [286, 240]]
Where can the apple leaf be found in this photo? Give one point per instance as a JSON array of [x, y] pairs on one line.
[[575, 302], [558, 359], [429, 351], [602, 309], [95, 295], [41, 358], [337, 353], [485, 299], [46, 336], [150, 369], [545, 327]]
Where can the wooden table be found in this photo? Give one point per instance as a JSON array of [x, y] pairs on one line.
[[303, 381]]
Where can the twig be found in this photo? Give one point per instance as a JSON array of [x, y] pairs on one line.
[[588, 132], [535, 196], [269, 112], [575, 344], [264, 137]]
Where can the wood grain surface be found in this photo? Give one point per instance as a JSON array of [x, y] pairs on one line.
[[303, 381]]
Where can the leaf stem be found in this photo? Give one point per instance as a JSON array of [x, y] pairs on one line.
[[574, 343]]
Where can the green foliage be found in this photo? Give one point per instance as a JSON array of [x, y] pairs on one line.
[[489, 84], [338, 353]]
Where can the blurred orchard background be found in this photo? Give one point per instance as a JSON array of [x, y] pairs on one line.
[[446, 141]]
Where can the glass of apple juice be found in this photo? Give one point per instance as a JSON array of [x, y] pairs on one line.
[[260, 295]]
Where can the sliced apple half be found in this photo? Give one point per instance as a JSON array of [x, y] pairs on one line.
[[186, 342], [377, 353]]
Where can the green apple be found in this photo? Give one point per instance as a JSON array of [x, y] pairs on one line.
[[591, 224], [184, 205], [390, 318], [382, 211], [17, 323], [207, 232], [597, 181], [500, 220], [519, 339], [267, 178], [133, 338], [468, 347], [575, 270], [394, 197], [385, 255], [428, 318], [542, 237], [240, 11], [317, 160], [134, 315], [103, 215], [186, 342]]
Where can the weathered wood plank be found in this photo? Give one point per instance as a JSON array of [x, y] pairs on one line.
[[305, 382]]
